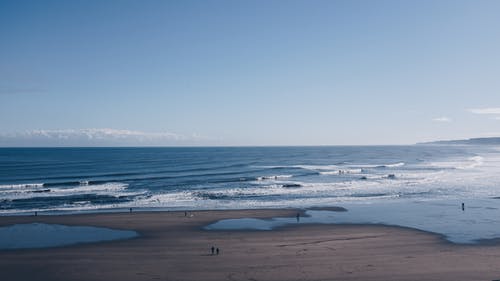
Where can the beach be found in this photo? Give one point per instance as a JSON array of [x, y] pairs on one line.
[[173, 246], [249, 140]]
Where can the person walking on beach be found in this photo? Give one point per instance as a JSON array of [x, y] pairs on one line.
[[213, 250], [463, 206], [217, 251], [298, 217]]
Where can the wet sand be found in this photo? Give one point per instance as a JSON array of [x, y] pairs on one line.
[[174, 247]]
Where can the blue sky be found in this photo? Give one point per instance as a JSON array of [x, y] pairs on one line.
[[248, 72]]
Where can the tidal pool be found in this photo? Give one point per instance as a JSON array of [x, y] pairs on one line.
[[42, 235]]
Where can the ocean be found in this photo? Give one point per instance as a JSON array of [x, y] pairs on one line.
[[70, 180]]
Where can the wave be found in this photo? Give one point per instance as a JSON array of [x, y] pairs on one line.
[[343, 168], [366, 195], [274, 195], [265, 194], [460, 164], [276, 177], [40, 191], [475, 161], [50, 184], [291, 185], [353, 189], [21, 186], [342, 171], [304, 167], [268, 190], [400, 164], [347, 166], [379, 166]]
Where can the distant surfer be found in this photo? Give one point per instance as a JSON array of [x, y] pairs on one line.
[[298, 217]]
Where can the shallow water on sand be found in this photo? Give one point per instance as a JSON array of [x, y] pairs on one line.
[[479, 221], [41, 235]]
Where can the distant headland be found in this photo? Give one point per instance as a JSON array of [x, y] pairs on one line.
[[472, 141]]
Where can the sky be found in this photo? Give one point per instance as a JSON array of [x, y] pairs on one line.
[[106, 73]]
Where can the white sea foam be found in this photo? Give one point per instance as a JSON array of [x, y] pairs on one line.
[[460, 164], [368, 166], [456, 177], [341, 171], [400, 164], [344, 190], [330, 172], [476, 161], [21, 186], [276, 177], [305, 167], [419, 185], [254, 197], [110, 189]]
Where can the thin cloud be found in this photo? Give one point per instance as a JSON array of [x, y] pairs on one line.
[[487, 110], [106, 133], [442, 119], [99, 137]]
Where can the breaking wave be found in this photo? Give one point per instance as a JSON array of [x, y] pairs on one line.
[[204, 178]]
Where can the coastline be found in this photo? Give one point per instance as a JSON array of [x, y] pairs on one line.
[[172, 246]]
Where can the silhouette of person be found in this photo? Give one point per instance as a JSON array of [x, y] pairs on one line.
[[463, 206], [298, 217], [36, 214], [217, 251], [130, 210], [213, 249]]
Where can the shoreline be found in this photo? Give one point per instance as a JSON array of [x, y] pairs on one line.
[[171, 246], [89, 218]]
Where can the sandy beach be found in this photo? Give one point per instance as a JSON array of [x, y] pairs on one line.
[[172, 246]]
